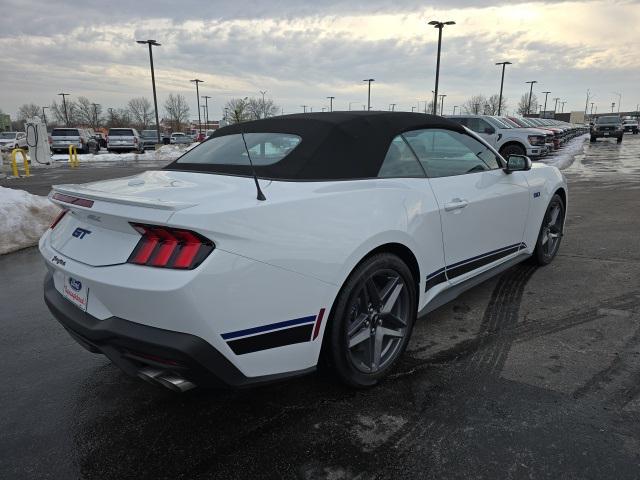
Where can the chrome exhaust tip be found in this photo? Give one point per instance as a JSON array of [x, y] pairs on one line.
[[175, 383], [166, 379]]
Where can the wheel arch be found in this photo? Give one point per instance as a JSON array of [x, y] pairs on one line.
[[510, 143], [399, 249]]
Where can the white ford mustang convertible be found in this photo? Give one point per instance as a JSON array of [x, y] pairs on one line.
[[280, 243]]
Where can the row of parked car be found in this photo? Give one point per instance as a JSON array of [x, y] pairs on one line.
[[512, 135], [117, 140]]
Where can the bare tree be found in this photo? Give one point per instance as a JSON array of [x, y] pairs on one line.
[[475, 105], [177, 111], [492, 105], [29, 110], [88, 113], [237, 110], [141, 112], [523, 104], [59, 113], [259, 108]]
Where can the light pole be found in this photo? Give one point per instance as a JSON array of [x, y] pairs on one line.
[[64, 106], [619, 100], [504, 64], [454, 109], [413, 109], [304, 108], [95, 114], [591, 112], [439, 26], [197, 81], [392, 107], [441, 103], [555, 107], [586, 105], [110, 116], [562, 103], [153, 43], [530, 95], [613, 105], [206, 110], [331, 103], [546, 94], [44, 116], [369, 80]]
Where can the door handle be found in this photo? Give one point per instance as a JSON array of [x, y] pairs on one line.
[[456, 204]]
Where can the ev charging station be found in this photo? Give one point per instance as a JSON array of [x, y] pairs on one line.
[[38, 142]]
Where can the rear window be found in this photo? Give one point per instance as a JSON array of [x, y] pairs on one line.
[[121, 132], [265, 149], [64, 132], [149, 133]]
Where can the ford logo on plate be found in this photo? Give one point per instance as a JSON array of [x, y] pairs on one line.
[[75, 284]]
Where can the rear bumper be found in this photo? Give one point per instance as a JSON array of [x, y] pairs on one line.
[[123, 147], [133, 346]]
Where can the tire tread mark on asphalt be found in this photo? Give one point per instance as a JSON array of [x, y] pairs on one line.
[[485, 362]]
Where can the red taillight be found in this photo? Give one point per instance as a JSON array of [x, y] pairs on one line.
[[80, 202], [58, 218], [166, 247]]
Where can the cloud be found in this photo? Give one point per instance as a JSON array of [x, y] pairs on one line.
[[302, 52]]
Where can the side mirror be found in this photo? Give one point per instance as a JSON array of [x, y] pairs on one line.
[[518, 163], [489, 130]]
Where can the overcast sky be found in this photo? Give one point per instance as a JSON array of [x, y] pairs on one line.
[[301, 52]]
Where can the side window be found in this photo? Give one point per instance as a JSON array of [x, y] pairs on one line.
[[400, 161], [444, 153], [482, 126]]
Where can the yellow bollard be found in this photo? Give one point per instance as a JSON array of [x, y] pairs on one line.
[[73, 156], [14, 163]]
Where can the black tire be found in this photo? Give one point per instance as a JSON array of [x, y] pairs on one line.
[[351, 320], [593, 139], [544, 252], [512, 149], [619, 139]]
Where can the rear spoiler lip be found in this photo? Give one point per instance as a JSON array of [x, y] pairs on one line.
[[77, 190]]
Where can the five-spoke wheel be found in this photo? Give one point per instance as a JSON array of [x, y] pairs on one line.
[[372, 320], [550, 232]]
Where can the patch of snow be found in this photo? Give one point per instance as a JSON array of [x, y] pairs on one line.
[[564, 158], [23, 219], [164, 153]]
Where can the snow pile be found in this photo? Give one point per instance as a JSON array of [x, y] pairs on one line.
[[23, 218], [564, 157], [165, 153]]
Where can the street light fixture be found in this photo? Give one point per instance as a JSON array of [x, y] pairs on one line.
[[454, 109], [441, 103], [206, 111], [619, 100], [153, 43], [546, 94], [64, 105], [555, 107], [439, 26], [369, 80], [197, 81], [530, 95], [304, 108], [331, 103], [504, 64], [562, 103]]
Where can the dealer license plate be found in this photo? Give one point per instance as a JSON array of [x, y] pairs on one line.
[[76, 291]]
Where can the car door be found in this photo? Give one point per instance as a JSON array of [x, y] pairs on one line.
[[483, 209]]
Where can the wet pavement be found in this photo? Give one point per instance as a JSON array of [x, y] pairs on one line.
[[533, 374]]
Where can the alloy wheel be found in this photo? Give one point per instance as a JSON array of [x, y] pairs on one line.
[[552, 229], [378, 319]]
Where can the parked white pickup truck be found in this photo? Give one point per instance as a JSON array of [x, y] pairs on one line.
[[504, 138]]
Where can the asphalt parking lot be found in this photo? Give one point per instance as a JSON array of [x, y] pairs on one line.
[[534, 374]]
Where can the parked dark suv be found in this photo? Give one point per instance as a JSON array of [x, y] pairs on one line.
[[607, 126]]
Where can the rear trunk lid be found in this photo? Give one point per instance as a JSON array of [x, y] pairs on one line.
[[98, 231]]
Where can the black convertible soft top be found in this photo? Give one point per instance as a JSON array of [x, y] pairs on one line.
[[334, 146]]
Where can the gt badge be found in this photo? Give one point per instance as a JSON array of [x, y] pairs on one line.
[[80, 233]]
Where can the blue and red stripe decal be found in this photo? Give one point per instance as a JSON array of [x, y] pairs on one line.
[[274, 335]]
